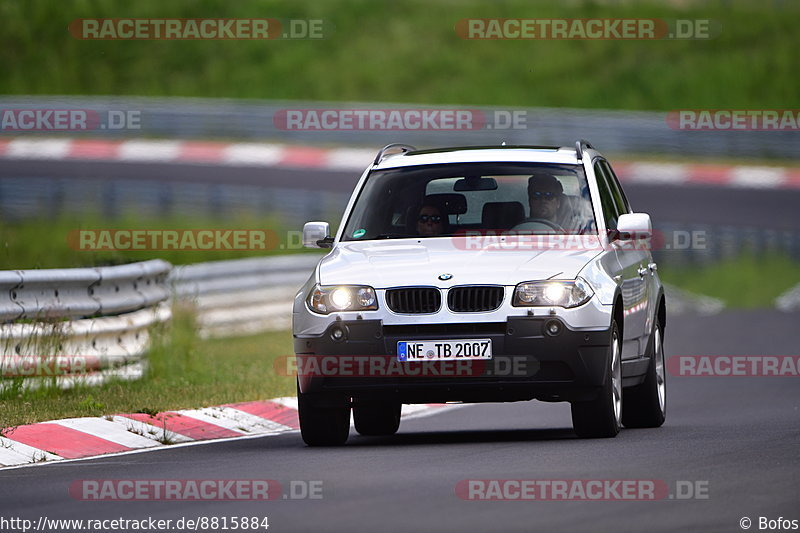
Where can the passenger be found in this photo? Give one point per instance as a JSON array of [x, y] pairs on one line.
[[430, 220]]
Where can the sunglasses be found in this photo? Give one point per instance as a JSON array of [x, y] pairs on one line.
[[539, 195], [432, 218]]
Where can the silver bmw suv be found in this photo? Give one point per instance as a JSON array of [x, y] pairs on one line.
[[481, 274]]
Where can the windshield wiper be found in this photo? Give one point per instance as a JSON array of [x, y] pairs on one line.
[[393, 236]]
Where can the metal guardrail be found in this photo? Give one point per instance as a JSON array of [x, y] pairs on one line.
[[86, 351], [88, 324], [82, 292], [242, 296], [620, 131], [82, 324]]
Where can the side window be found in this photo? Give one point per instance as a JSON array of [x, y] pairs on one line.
[[610, 213], [616, 191]]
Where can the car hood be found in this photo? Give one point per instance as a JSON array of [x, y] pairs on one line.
[[404, 262]]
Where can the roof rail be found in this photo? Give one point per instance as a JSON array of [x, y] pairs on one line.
[[580, 146], [395, 146]]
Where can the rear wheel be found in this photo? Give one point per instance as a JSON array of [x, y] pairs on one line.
[[602, 416], [374, 418], [646, 404], [324, 418]]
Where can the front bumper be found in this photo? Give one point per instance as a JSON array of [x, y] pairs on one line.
[[526, 362]]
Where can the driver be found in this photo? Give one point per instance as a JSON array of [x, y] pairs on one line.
[[544, 197]]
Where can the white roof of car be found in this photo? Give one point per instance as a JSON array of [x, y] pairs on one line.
[[563, 155]]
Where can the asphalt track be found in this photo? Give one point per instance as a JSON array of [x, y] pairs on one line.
[[736, 436]]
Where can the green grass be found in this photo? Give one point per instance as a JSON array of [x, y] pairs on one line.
[[185, 372], [745, 282], [45, 243], [408, 51]]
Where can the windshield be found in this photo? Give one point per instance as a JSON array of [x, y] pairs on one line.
[[453, 199]]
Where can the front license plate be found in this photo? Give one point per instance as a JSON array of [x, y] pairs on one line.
[[444, 350]]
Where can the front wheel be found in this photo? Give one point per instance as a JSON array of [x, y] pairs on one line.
[[602, 417], [646, 404], [324, 419]]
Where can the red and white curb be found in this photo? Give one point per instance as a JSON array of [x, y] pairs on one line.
[[357, 159], [193, 152], [75, 438]]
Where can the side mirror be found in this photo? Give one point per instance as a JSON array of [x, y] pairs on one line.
[[317, 235], [634, 226]]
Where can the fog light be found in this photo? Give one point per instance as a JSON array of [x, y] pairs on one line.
[[337, 334], [553, 327]]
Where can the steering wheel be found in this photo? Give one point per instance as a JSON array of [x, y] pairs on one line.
[[549, 223]]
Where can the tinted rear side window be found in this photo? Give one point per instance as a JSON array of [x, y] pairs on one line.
[[620, 200], [610, 212]]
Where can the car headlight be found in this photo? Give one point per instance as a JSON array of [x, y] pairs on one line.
[[342, 298], [570, 293]]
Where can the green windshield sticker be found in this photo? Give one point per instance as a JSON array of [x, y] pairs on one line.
[[359, 233]]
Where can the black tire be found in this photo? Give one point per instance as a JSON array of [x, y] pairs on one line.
[[601, 417], [646, 404], [373, 418], [321, 425]]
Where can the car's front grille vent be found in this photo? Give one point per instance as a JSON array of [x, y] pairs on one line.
[[440, 330], [414, 300], [474, 298]]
